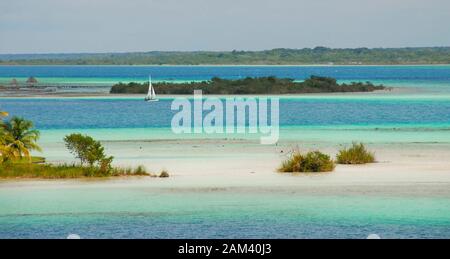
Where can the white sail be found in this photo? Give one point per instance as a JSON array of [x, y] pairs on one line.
[[153, 92], [150, 87], [151, 95]]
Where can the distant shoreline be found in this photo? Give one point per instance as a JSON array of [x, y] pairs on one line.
[[229, 65], [278, 56]]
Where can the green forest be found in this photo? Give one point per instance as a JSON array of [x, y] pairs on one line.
[[318, 55]]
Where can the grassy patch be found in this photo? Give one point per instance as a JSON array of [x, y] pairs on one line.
[[307, 163], [48, 171], [356, 154], [128, 171]]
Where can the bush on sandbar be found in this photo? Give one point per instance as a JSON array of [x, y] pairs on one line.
[[310, 162], [164, 174], [356, 154]]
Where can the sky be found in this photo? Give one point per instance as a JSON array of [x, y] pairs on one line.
[[69, 26]]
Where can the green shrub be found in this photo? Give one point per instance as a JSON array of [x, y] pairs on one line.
[[305, 163], [88, 150], [357, 154], [164, 174]]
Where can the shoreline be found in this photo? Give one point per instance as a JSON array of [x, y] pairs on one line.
[[402, 169], [389, 91], [242, 65], [231, 165]]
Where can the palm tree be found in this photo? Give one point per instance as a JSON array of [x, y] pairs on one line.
[[6, 153], [2, 115], [20, 138], [4, 150]]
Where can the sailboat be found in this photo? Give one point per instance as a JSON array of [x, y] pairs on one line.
[[151, 96]]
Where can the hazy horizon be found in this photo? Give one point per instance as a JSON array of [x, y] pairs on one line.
[[114, 26], [188, 51]]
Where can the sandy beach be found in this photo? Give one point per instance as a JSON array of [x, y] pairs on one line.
[[405, 169]]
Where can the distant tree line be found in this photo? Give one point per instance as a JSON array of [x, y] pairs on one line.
[[260, 85], [318, 55]]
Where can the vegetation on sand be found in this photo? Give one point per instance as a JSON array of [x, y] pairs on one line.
[[93, 159], [164, 174], [50, 171], [88, 150], [310, 162], [356, 154], [18, 139]]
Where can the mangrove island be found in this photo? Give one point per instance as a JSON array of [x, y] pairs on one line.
[[249, 85]]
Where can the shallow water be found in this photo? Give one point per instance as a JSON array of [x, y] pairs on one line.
[[324, 120], [143, 213]]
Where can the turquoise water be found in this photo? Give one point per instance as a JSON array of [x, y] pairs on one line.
[[426, 106], [419, 115], [434, 78], [330, 119], [100, 212]]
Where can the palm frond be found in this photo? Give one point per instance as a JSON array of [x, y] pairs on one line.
[[20, 137], [3, 114]]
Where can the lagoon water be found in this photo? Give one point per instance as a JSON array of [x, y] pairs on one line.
[[330, 119], [133, 212], [419, 114], [424, 105], [434, 78]]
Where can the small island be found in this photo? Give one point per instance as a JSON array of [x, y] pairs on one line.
[[249, 85]]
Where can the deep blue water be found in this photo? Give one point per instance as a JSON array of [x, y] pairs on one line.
[[330, 111], [135, 113], [154, 226], [417, 73]]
